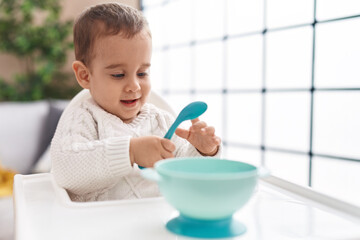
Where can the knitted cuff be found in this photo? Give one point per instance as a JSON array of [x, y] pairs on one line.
[[194, 152], [217, 155], [219, 152], [117, 152], [188, 150]]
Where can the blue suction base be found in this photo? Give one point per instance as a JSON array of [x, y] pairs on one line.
[[189, 227]]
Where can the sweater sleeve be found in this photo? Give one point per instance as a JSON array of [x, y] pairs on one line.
[[81, 163]]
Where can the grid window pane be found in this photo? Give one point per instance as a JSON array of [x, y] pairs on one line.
[[156, 71], [179, 29], [155, 18], [244, 118], [287, 120], [288, 58], [208, 66], [244, 63], [336, 123], [209, 19], [339, 179], [327, 9], [282, 13], [207, 46], [248, 155], [213, 115], [179, 68], [338, 54], [245, 16], [292, 167]]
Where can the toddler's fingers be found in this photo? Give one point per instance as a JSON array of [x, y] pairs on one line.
[[198, 126], [210, 131], [168, 145], [166, 154], [195, 120], [217, 140], [183, 133]]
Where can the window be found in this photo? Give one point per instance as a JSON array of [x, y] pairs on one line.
[[281, 78]]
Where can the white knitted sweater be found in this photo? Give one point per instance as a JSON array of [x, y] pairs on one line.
[[90, 151]]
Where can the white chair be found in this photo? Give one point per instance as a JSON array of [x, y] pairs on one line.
[[38, 195], [43, 210], [160, 102]]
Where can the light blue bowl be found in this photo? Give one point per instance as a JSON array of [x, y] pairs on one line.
[[204, 188]]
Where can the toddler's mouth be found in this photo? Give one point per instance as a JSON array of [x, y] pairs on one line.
[[129, 101]]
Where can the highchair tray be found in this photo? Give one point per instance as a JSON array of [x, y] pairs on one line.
[[43, 210]]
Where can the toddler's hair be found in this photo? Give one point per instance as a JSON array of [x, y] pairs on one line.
[[104, 20]]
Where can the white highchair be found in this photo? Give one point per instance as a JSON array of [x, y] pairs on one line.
[[278, 210], [43, 210]]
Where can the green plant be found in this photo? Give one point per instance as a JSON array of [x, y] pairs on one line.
[[32, 31]]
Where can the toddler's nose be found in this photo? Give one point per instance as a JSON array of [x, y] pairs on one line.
[[133, 85]]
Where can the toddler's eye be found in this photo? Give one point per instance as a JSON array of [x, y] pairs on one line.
[[118, 75], [143, 74]]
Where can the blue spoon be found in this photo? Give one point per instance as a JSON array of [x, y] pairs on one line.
[[191, 111]]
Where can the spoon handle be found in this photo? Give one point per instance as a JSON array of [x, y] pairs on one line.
[[172, 129]]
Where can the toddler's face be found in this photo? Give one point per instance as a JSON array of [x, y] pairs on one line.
[[119, 77]]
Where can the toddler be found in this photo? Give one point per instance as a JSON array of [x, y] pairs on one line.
[[109, 129]]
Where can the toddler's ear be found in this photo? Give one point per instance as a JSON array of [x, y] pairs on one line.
[[82, 74]]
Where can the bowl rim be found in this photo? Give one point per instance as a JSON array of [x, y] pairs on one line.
[[207, 176]]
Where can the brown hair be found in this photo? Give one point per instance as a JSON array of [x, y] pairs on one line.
[[104, 20]]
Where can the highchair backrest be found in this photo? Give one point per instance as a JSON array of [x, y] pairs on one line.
[[160, 102]]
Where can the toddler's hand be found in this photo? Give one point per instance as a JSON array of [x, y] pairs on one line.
[[145, 151], [201, 136]]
